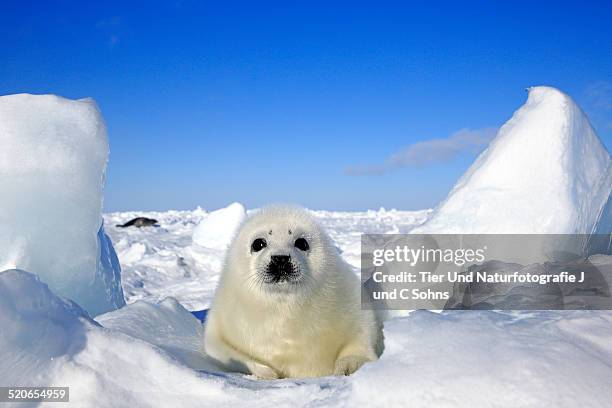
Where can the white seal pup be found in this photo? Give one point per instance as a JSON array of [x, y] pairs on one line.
[[287, 305]]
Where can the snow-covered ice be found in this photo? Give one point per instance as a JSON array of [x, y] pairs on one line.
[[146, 354], [452, 359], [546, 172], [491, 359], [167, 325], [218, 228], [52, 165], [164, 261]]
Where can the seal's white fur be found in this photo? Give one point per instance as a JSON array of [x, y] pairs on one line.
[[310, 327]]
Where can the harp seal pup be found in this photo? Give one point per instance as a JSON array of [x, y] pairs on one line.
[[287, 305]]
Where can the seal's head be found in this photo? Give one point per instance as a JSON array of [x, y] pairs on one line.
[[281, 249]]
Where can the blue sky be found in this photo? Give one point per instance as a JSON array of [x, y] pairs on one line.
[[208, 103]]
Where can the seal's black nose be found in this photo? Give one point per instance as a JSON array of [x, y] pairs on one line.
[[280, 268], [280, 260]]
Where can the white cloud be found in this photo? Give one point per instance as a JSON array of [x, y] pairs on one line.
[[431, 151]]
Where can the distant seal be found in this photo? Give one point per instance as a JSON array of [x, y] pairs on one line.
[[287, 305], [139, 222]]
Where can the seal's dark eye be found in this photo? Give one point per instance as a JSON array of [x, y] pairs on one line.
[[301, 244], [258, 245]]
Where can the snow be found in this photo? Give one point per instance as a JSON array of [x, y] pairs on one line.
[[218, 228], [482, 359], [147, 353], [167, 325], [546, 172], [52, 342], [144, 355], [164, 261]]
